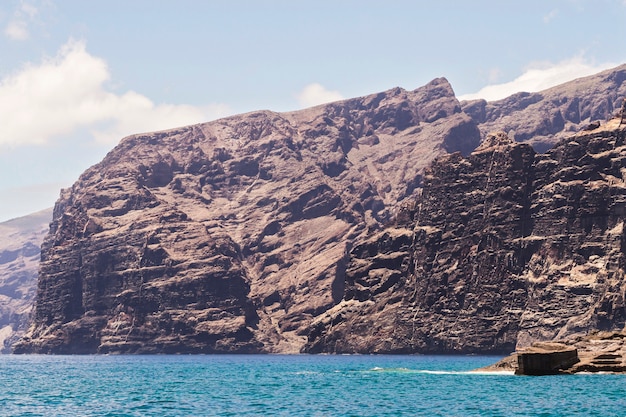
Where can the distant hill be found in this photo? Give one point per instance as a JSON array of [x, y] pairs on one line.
[[20, 241]]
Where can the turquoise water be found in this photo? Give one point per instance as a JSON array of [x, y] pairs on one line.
[[260, 385]]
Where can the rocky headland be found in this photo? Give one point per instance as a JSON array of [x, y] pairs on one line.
[[386, 223]]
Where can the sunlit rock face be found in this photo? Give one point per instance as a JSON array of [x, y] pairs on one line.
[[328, 230], [544, 118], [504, 248], [232, 236]]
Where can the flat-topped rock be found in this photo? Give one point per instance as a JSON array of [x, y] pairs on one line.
[[546, 359], [598, 352]]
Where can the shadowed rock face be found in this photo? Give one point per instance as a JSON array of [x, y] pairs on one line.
[[231, 236], [506, 247], [20, 241]]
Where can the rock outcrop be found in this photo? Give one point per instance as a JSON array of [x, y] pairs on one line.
[[231, 236], [597, 352], [546, 359], [322, 230], [20, 241], [600, 352], [546, 117], [507, 247]]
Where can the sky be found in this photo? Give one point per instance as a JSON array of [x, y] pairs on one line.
[[77, 76]]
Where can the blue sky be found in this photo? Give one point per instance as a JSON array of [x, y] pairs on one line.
[[76, 76]]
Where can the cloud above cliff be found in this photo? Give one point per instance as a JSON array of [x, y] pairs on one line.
[[314, 94], [539, 76], [70, 92]]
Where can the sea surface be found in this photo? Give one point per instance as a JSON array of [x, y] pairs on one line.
[[274, 385]]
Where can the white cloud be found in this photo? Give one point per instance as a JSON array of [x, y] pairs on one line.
[[539, 76], [29, 10], [17, 28], [67, 93], [550, 16], [314, 94], [142, 115], [494, 75]]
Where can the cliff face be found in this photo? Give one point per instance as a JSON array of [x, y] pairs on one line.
[[546, 117], [232, 236], [20, 241], [267, 232], [505, 248]]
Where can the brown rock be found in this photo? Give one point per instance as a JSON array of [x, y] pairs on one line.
[[598, 352], [508, 247], [232, 236], [457, 269], [546, 359], [546, 117], [601, 352], [265, 232], [20, 241]]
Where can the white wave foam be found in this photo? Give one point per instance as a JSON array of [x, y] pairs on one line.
[[439, 372]]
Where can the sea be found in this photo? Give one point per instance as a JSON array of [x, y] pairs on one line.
[[294, 385]]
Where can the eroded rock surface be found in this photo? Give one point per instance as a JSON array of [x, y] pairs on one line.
[[231, 236], [597, 352], [546, 117], [277, 232], [546, 359], [20, 241], [508, 247]]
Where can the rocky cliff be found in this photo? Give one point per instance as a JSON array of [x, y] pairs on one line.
[[268, 232], [231, 236], [20, 241], [506, 247], [546, 117]]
